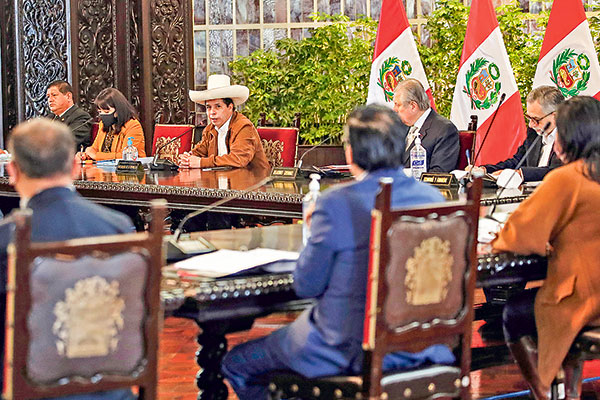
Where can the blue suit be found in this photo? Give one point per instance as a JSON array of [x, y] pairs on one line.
[[326, 339], [60, 214]]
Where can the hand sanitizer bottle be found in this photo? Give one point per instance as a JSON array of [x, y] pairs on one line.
[[130, 152], [418, 159], [307, 202]]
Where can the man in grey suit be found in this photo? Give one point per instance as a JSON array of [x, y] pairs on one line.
[[438, 135], [60, 101], [41, 171]]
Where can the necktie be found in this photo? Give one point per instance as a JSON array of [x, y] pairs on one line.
[[412, 134]]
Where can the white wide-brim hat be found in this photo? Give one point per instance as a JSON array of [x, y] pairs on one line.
[[220, 87]]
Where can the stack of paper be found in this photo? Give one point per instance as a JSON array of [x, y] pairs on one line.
[[226, 262]]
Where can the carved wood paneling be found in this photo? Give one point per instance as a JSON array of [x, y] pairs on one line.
[[8, 77], [170, 56], [42, 48], [135, 54], [96, 35]]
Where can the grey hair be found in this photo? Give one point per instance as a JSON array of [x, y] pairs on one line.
[[412, 90], [42, 148], [549, 98]]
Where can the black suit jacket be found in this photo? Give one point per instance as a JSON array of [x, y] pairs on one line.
[[80, 123], [531, 172], [60, 214], [439, 137]]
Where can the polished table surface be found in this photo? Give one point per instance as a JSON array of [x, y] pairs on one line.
[[196, 188]]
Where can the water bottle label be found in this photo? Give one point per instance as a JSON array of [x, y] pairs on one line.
[[418, 163]]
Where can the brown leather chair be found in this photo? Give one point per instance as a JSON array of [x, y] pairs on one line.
[[420, 292], [83, 314], [466, 142]]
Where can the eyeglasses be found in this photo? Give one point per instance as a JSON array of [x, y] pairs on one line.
[[538, 120]]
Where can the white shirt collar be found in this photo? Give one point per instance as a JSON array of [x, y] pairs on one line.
[[224, 128], [549, 139], [419, 123]]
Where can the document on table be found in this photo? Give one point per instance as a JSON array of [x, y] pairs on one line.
[[226, 262]]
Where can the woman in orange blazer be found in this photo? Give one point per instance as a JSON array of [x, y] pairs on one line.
[[118, 122], [561, 219]]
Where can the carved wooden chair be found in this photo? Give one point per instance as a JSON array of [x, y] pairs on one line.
[[466, 142], [83, 314], [420, 292], [164, 133]]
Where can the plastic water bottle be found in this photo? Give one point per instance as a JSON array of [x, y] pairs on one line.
[[307, 202], [130, 152], [418, 159]]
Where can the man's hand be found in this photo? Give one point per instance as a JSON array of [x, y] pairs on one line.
[[187, 160]]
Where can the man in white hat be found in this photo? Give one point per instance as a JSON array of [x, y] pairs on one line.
[[230, 139]]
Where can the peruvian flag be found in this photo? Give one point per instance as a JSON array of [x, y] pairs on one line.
[[568, 58], [396, 57], [484, 76]]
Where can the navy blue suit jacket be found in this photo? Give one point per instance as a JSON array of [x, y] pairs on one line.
[[60, 214], [326, 339], [531, 172], [439, 137]]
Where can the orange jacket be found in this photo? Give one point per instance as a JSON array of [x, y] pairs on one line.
[[132, 128], [562, 218], [243, 144]]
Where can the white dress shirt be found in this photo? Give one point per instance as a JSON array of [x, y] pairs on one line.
[[547, 143], [222, 131]]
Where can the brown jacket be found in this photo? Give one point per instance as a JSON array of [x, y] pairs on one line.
[[562, 215], [244, 147]]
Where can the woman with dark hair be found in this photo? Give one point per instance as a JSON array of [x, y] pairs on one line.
[[118, 122], [561, 220]]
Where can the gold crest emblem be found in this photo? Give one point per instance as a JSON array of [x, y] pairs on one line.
[[428, 272], [88, 320]]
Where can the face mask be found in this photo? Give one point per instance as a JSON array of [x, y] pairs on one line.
[[108, 120]]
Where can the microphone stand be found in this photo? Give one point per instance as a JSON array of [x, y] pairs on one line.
[[173, 242], [161, 165], [519, 164]]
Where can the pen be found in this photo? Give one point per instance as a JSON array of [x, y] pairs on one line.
[[468, 153]]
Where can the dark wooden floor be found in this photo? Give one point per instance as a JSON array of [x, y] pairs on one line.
[[178, 368]]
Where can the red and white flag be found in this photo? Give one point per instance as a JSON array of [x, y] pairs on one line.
[[484, 76], [396, 57], [568, 58]]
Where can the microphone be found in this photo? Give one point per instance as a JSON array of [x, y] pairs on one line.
[[83, 123], [155, 165], [291, 172], [520, 163], [502, 98], [177, 251]]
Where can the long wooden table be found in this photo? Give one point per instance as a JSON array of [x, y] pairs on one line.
[[224, 305], [196, 188]]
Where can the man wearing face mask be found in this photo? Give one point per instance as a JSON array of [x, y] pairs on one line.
[[60, 101], [542, 103], [118, 122]]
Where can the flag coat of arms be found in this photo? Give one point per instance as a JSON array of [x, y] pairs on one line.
[[484, 75], [396, 57], [568, 59]]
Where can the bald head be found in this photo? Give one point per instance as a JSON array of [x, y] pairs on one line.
[[42, 148]]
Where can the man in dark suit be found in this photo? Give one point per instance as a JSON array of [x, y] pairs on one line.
[[60, 101], [326, 339], [438, 135], [542, 103], [43, 164]]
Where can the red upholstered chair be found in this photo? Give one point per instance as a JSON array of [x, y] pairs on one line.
[[95, 127], [163, 133], [466, 139], [280, 145]]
